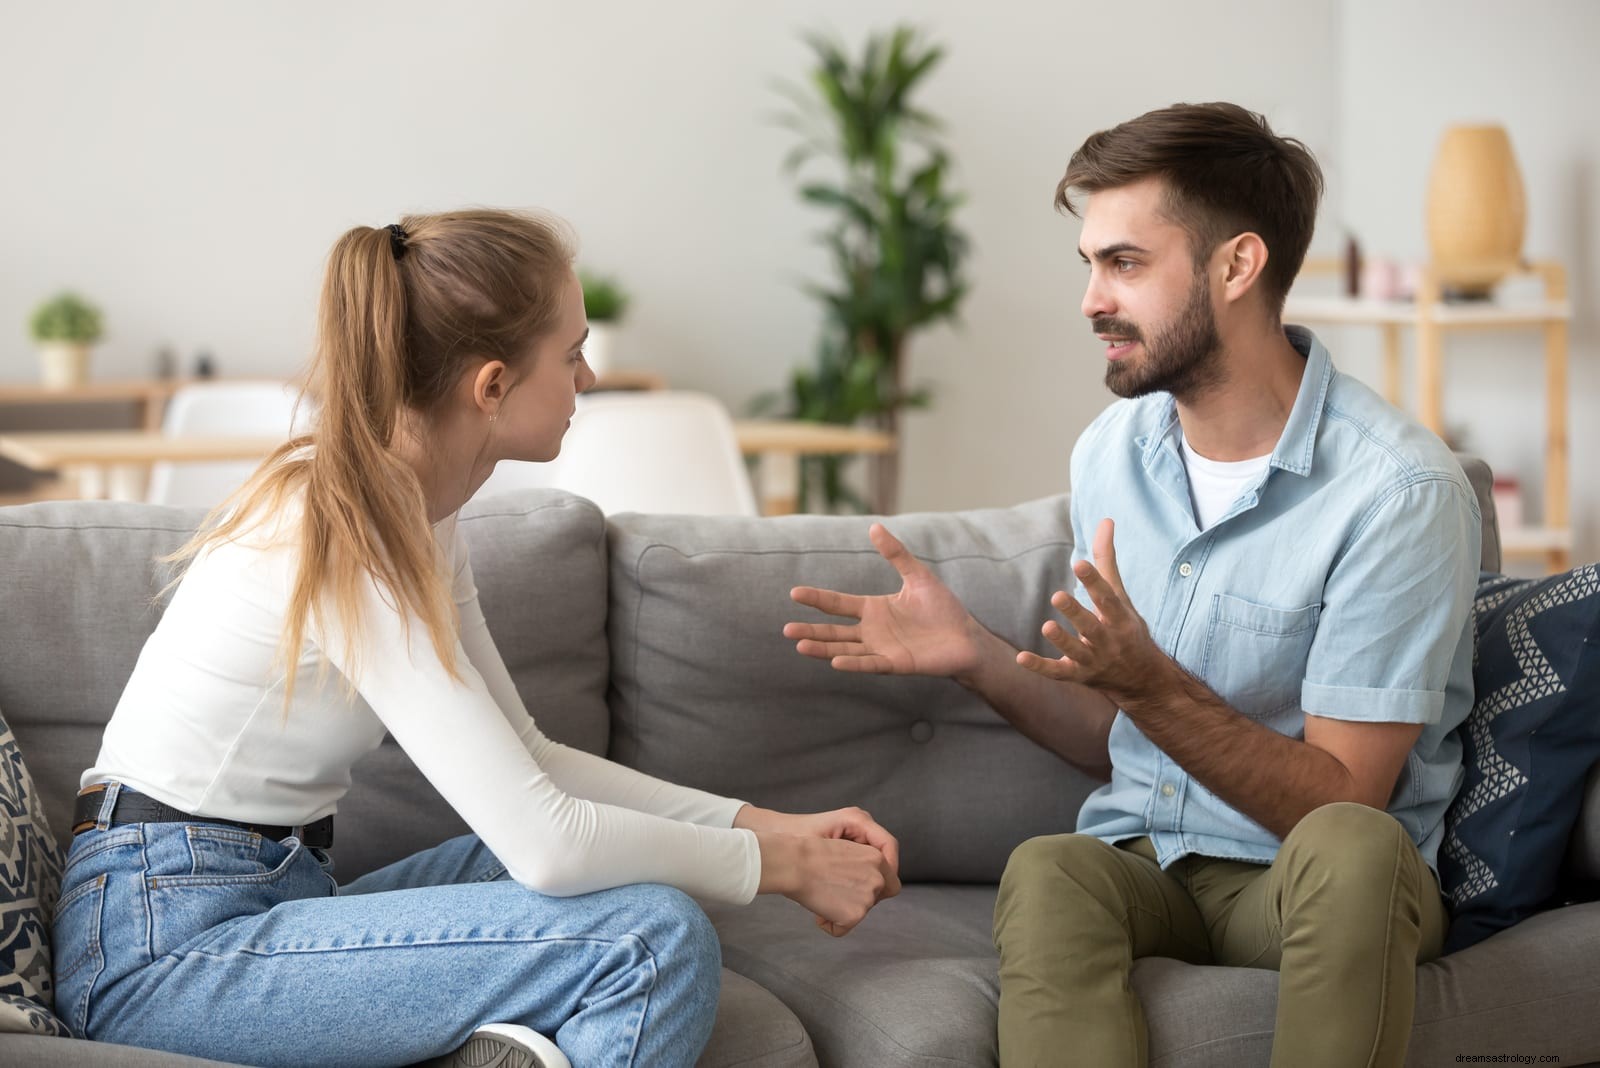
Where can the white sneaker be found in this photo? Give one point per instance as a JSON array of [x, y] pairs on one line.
[[504, 1046]]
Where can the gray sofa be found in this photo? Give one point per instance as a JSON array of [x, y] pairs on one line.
[[657, 639]]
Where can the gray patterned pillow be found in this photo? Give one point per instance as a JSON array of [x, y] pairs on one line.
[[30, 882]]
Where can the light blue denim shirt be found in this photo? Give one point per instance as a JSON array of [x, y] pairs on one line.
[[1339, 584]]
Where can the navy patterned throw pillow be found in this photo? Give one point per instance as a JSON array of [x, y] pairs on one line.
[[1530, 740], [30, 882]]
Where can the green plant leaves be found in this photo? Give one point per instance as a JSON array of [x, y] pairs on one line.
[[604, 299], [66, 317], [893, 243]]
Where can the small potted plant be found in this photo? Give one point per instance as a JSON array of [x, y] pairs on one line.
[[64, 327], [604, 301]]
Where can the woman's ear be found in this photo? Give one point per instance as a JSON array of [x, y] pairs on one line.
[[489, 386]]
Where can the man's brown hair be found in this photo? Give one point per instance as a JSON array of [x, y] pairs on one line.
[[1226, 173]]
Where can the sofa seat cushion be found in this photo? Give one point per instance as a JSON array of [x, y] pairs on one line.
[[36, 1052], [916, 984], [706, 691], [1208, 1017], [755, 1030]]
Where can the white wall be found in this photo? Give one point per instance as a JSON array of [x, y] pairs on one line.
[[190, 163], [1407, 71]]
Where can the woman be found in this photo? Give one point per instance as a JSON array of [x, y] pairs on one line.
[[331, 602]]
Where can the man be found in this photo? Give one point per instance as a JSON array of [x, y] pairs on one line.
[[1272, 642]]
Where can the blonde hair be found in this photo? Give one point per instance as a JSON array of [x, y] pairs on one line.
[[402, 316]]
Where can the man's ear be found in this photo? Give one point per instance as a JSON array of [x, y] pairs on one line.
[[489, 386], [1244, 259]]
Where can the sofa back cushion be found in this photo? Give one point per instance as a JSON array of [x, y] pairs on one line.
[[707, 691], [80, 597], [1481, 479]]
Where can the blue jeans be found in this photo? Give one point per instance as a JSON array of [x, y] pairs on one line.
[[212, 941]]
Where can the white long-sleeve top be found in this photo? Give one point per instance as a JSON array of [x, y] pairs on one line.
[[202, 726]]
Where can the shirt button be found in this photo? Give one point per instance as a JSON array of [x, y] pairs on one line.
[[1185, 570], [921, 731], [1167, 789]]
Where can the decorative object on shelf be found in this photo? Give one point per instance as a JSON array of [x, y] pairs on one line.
[[1507, 493], [1382, 279], [1353, 266], [65, 326], [604, 302], [205, 365], [893, 242], [1476, 211]]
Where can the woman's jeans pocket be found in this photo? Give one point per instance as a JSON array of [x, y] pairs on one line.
[[79, 956], [207, 875]]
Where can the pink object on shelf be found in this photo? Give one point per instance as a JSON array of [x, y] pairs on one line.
[[1507, 493]]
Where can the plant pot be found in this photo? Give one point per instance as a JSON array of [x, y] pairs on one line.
[[63, 364], [1476, 211], [597, 351]]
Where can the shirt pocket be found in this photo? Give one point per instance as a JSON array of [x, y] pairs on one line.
[[1256, 654]]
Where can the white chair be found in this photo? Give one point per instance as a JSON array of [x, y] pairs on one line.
[[236, 408], [648, 451]]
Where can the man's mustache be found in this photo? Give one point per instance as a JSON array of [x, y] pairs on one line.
[[1115, 327]]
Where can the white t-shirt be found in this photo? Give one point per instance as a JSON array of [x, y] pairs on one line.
[[202, 726], [1214, 485]]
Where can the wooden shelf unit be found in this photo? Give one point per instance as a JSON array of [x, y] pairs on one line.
[[1432, 319]]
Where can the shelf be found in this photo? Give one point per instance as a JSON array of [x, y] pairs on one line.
[[1402, 313], [1534, 541], [1432, 319]]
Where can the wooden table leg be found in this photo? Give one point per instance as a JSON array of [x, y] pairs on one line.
[[778, 481], [126, 482], [89, 481]]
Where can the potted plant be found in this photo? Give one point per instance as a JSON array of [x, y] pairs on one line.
[[895, 247], [64, 327], [604, 301]]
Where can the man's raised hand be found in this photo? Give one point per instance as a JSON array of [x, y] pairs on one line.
[[1112, 651], [922, 630]]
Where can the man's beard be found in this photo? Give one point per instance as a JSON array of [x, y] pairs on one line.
[[1184, 358]]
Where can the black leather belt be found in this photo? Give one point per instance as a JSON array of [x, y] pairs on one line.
[[136, 808]]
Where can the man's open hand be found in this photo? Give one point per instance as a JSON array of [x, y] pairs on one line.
[[1112, 651], [922, 630]]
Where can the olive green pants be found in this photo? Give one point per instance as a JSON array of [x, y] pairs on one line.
[[1345, 913]]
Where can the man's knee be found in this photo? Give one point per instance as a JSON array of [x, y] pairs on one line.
[[1048, 875], [1348, 834], [1048, 858], [1345, 847]]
